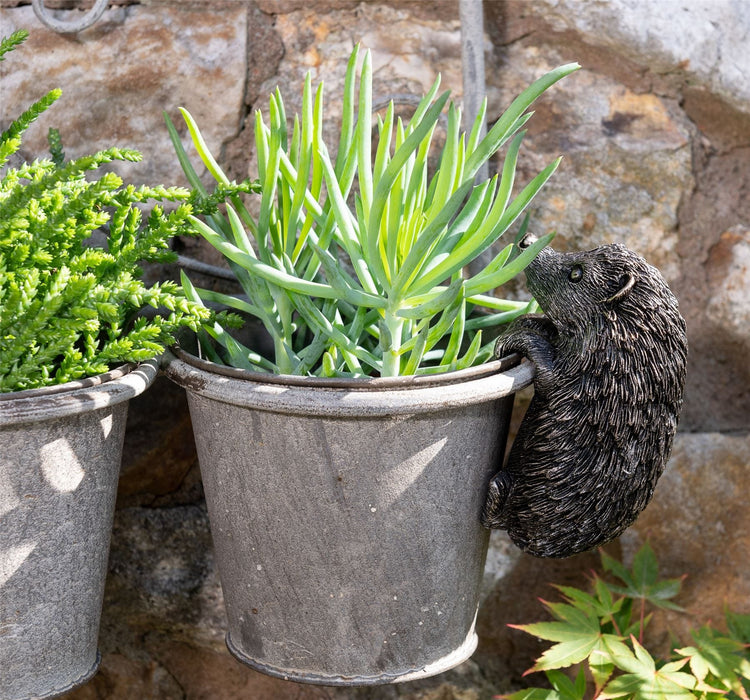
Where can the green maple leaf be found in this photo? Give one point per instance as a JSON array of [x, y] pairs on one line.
[[533, 694], [718, 660], [563, 688], [643, 680], [643, 583], [566, 688], [602, 604], [577, 634], [738, 626]]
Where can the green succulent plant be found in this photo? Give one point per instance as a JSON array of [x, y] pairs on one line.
[[70, 309], [356, 264]]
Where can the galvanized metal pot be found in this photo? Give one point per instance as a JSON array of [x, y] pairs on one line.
[[60, 451], [345, 514]]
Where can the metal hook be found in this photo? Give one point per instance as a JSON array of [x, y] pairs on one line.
[[88, 20]]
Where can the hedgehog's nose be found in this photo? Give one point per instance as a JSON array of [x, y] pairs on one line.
[[528, 240]]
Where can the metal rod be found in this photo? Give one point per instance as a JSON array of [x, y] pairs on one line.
[[471, 16], [205, 268]]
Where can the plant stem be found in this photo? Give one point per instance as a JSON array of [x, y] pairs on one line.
[[391, 354], [283, 342], [642, 626]]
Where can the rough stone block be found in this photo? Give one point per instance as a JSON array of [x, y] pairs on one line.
[[119, 76]]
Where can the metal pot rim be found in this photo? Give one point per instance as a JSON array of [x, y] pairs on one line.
[[80, 396], [83, 383], [353, 383], [364, 399]]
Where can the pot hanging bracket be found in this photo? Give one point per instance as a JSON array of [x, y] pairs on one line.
[[66, 26]]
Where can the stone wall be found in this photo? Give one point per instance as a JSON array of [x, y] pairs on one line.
[[655, 133]]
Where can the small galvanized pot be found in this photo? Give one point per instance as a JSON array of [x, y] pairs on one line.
[[60, 451], [345, 514]]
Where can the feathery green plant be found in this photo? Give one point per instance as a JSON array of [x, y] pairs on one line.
[[355, 265], [601, 634], [69, 309]]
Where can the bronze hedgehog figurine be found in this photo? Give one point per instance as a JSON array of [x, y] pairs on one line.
[[610, 354]]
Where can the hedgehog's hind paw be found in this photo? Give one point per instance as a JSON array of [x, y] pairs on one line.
[[493, 512]]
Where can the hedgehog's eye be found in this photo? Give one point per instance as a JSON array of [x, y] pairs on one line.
[[576, 273]]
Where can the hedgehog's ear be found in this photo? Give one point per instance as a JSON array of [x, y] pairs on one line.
[[627, 281]]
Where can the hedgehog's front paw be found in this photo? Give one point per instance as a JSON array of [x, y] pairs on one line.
[[494, 504], [517, 340], [524, 334], [509, 342], [508, 345], [536, 323]]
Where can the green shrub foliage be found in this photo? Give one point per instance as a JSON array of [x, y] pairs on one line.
[[68, 308]]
